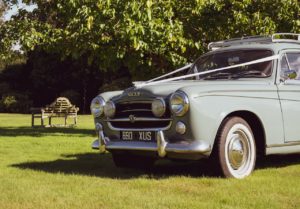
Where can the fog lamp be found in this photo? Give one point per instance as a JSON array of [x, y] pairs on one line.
[[180, 127]]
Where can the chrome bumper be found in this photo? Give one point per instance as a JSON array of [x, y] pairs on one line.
[[162, 147]]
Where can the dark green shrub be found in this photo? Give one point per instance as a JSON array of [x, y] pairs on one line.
[[15, 103]]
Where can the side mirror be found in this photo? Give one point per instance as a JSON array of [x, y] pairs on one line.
[[292, 74], [288, 75]]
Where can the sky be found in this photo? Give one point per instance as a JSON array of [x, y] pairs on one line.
[[15, 8]]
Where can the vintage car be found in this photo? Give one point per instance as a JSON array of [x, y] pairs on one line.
[[236, 102]]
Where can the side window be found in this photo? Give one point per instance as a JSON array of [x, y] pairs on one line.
[[290, 66]]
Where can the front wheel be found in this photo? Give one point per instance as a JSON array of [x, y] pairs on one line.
[[235, 148]]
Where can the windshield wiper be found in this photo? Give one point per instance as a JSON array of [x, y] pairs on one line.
[[219, 75], [234, 75], [250, 73]]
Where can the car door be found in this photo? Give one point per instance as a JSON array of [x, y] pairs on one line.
[[289, 93]]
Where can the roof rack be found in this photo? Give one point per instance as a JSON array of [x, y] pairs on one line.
[[295, 39], [276, 37]]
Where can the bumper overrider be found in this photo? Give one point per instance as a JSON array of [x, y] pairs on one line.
[[162, 146]]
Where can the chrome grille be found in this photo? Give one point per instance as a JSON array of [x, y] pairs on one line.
[[138, 109], [138, 114]]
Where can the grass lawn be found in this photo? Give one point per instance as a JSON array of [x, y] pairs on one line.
[[56, 168]]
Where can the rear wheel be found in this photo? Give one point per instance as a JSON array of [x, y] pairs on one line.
[[132, 161], [235, 149]]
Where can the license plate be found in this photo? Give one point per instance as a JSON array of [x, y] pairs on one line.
[[138, 136]]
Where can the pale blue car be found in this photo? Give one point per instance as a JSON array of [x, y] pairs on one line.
[[236, 102]]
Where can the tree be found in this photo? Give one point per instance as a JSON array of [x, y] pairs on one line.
[[139, 38], [111, 34], [151, 35], [2, 10]]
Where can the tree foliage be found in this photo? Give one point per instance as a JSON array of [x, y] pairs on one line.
[[2, 10], [145, 34], [138, 38]]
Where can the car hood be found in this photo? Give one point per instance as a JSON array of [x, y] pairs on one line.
[[193, 88]]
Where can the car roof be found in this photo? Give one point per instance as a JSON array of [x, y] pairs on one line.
[[275, 42], [275, 47]]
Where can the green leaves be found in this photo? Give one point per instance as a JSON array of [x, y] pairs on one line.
[[90, 22], [143, 35]]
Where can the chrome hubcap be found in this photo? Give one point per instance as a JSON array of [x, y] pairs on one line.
[[237, 153], [240, 151]]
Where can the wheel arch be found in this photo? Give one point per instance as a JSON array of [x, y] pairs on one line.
[[257, 128]]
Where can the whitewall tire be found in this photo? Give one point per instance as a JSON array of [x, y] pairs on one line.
[[236, 150]]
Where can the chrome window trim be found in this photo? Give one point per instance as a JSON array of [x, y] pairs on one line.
[[283, 53]]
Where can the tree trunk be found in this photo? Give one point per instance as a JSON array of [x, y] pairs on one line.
[[84, 96]]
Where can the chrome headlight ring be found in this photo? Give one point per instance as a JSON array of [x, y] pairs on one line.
[[179, 103], [110, 109], [97, 106], [158, 107]]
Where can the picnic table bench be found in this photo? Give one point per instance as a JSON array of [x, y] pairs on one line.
[[61, 107]]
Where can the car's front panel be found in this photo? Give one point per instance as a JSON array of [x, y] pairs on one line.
[[135, 128], [137, 114]]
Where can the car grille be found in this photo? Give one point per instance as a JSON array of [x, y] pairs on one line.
[[143, 116], [138, 109]]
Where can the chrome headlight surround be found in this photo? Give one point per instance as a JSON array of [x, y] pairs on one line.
[[158, 107], [110, 109], [97, 106], [179, 103]]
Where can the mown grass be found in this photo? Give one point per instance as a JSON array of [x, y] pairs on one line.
[[55, 168]]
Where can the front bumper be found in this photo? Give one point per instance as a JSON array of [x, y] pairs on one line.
[[162, 146]]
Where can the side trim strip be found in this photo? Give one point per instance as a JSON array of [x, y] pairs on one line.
[[284, 145]]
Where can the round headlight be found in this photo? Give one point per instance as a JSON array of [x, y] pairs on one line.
[[109, 109], [179, 103], [158, 107], [97, 106]]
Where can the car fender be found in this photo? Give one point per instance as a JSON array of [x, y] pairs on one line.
[[208, 111]]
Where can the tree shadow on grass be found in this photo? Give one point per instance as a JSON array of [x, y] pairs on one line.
[[40, 132], [94, 164], [101, 165]]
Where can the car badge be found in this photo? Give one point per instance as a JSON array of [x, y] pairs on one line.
[[134, 94], [132, 118]]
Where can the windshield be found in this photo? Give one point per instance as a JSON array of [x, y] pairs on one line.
[[228, 58]]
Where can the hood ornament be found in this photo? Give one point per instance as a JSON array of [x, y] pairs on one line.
[[132, 118]]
